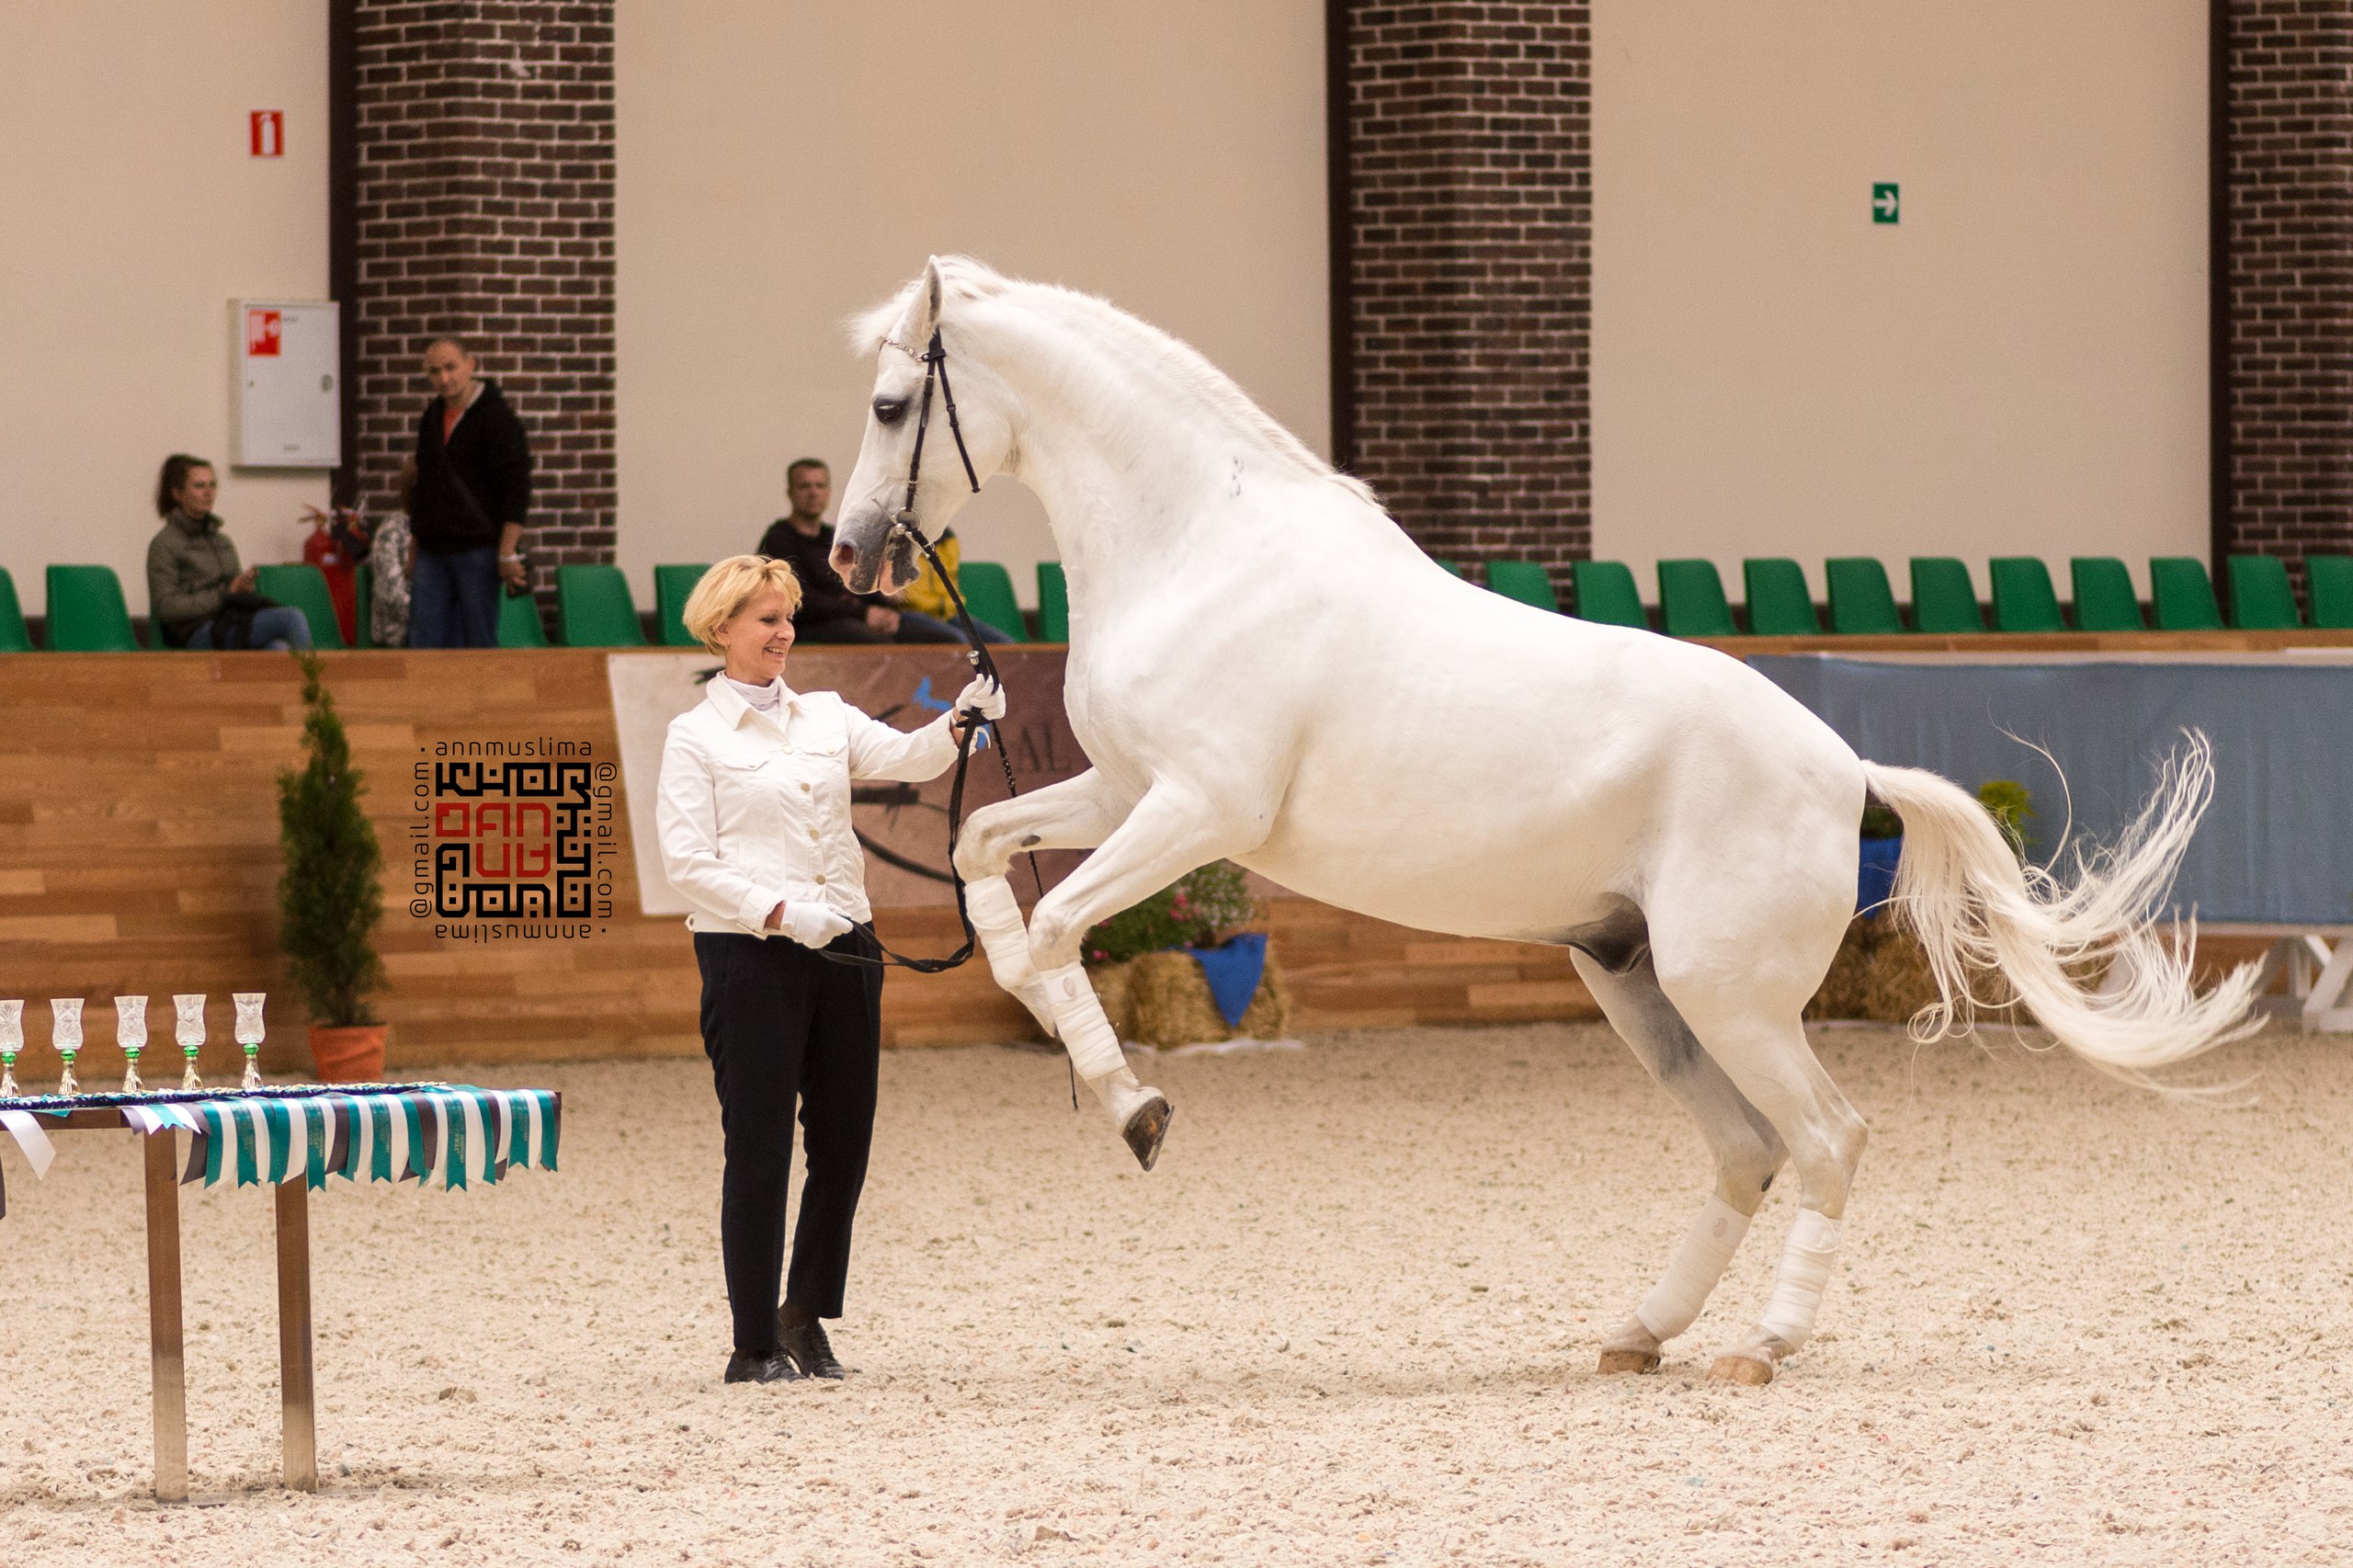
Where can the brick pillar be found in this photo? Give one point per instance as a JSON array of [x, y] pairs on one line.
[[479, 202], [1463, 206], [2286, 486]]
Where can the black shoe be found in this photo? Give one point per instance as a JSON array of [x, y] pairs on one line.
[[761, 1366], [808, 1347]]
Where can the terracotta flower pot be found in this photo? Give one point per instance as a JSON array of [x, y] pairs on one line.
[[350, 1054]]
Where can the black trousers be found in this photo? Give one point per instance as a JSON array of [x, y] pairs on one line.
[[781, 1024]]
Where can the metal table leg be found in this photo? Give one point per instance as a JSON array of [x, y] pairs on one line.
[[294, 1335], [166, 1348]]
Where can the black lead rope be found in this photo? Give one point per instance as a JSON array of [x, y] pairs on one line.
[[935, 368]]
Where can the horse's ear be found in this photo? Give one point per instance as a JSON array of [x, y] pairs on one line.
[[926, 303]]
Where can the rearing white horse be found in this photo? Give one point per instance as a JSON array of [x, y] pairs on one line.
[[1263, 667]]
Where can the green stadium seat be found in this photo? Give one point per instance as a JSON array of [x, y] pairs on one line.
[[13, 637], [2329, 580], [519, 620], [1606, 594], [987, 588], [1944, 599], [1053, 603], [1780, 604], [1692, 600], [671, 586], [593, 608], [2182, 595], [1862, 602], [2262, 599], [303, 587], [1526, 581], [2104, 598], [1452, 568], [2024, 600], [86, 614]]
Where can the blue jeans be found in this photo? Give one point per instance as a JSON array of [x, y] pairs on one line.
[[453, 599], [282, 627]]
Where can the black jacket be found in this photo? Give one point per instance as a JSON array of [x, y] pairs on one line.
[[824, 597], [479, 480]]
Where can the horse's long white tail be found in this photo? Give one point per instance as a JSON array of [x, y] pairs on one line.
[[1977, 910]]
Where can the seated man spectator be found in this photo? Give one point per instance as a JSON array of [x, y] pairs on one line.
[[829, 612], [198, 596]]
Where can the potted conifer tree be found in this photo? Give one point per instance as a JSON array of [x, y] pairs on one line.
[[330, 894]]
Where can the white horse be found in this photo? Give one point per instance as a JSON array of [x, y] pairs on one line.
[[1263, 667]]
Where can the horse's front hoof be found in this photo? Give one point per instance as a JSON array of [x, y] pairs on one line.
[[1746, 1369], [1146, 1126], [1616, 1361]]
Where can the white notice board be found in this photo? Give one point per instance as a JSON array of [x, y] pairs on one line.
[[290, 404]]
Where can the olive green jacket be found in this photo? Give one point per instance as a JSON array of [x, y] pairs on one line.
[[190, 564]]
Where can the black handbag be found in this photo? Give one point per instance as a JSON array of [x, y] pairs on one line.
[[232, 623]]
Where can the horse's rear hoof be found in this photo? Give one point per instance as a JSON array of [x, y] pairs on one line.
[[1741, 1370], [1147, 1127], [1614, 1361]]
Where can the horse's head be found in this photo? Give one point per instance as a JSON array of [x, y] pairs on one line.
[[907, 413]]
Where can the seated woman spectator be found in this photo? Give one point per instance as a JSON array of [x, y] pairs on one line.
[[198, 596]]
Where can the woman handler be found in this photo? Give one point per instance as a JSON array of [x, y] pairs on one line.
[[754, 820]]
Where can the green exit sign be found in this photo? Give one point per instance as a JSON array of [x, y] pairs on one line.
[[1887, 205]]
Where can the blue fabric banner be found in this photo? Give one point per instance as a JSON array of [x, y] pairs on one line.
[[2275, 847]]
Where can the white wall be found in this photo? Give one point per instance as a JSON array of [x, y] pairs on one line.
[[781, 167], [134, 213], [2019, 367]]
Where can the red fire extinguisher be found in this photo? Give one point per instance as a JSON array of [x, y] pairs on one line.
[[333, 549]]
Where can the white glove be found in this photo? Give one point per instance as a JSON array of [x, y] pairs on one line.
[[984, 694], [810, 923]]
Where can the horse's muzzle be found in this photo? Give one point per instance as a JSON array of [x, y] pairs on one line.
[[886, 567]]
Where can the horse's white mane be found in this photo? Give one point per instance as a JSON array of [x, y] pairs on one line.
[[963, 278]]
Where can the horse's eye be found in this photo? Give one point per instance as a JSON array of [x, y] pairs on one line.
[[890, 410]]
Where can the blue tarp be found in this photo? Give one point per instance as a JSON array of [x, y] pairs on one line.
[[2275, 847], [1233, 970]]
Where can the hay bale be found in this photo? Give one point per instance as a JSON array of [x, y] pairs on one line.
[[1162, 1000], [1882, 975]]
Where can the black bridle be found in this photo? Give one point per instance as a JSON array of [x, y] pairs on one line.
[[935, 368]]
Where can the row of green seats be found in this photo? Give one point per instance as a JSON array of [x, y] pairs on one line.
[[1944, 598]]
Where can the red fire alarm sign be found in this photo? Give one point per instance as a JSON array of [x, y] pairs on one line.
[[262, 335], [269, 132]]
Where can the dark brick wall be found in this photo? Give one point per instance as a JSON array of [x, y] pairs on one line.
[[483, 205], [2289, 199], [1462, 218]]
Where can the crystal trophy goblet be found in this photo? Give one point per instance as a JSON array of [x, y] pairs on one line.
[[65, 1015], [12, 1040], [249, 1033], [131, 1033], [189, 1031]]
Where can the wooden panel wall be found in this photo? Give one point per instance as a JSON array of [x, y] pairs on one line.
[[139, 854]]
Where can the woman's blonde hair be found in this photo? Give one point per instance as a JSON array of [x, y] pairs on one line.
[[727, 587]]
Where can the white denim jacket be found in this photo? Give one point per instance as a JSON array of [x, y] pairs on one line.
[[754, 810]]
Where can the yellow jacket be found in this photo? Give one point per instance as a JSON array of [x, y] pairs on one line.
[[928, 596]]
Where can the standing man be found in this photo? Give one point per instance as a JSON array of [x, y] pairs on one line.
[[829, 612], [473, 490]]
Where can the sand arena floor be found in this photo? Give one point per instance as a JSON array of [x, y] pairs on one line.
[[1350, 1320]]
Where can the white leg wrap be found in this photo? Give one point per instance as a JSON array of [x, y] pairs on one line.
[[1086, 1034], [1699, 1262], [1806, 1258], [1005, 939]]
